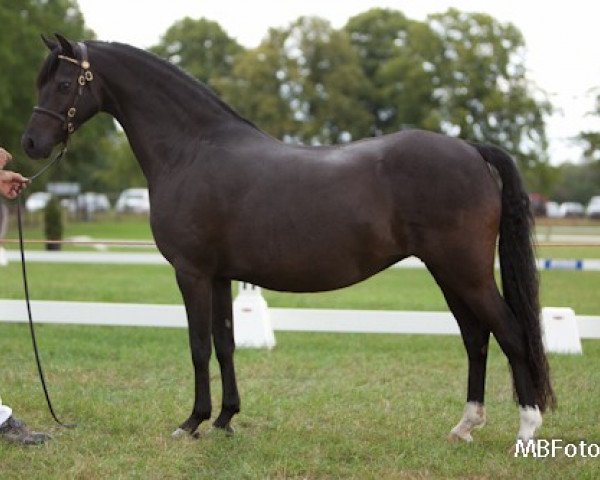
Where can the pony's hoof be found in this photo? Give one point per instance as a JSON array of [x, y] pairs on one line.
[[180, 432], [228, 430], [456, 437]]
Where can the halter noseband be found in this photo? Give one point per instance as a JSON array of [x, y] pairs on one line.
[[85, 76]]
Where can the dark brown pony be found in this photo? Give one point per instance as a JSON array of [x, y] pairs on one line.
[[229, 202]]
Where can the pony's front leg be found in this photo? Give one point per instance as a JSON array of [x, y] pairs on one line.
[[224, 347], [197, 296]]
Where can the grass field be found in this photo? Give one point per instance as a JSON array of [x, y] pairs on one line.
[[317, 406], [136, 227], [393, 289]]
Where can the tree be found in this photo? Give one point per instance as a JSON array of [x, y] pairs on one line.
[[576, 182], [591, 139], [458, 73], [21, 54], [53, 224], [582, 181], [256, 84], [483, 91], [303, 84], [397, 56], [201, 47]]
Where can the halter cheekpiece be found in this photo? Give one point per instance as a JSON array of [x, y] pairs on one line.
[[85, 76]]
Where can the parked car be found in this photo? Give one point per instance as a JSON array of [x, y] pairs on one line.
[[134, 200], [553, 210], [69, 205], [37, 201], [93, 202], [593, 208], [572, 209]]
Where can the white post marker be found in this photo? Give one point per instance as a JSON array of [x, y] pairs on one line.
[[561, 334], [252, 321]]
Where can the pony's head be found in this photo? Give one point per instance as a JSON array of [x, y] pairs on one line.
[[66, 97]]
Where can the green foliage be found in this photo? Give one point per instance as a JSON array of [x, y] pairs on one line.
[[485, 88], [457, 73], [396, 55], [302, 84], [579, 182], [576, 182], [21, 54], [254, 84], [591, 140], [201, 47], [119, 169], [53, 223]]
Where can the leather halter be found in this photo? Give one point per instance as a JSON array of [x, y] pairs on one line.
[[85, 76]]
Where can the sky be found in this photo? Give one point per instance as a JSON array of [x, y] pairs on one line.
[[562, 39]]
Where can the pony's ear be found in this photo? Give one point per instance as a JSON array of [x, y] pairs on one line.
[[65, 45], [51, 44]]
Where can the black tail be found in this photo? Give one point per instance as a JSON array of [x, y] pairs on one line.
[[520, 282]]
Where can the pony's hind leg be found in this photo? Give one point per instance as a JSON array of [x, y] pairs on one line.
[[511, 336], [475, 337], [478, 294], [222, 327]]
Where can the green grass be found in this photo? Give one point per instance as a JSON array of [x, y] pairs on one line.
[[317, 406], [573, 253], [136, 227], [393, 289], [107, 227]]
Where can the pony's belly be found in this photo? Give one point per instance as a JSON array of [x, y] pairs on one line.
[[314, 278]]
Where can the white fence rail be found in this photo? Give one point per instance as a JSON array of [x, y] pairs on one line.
[[153, 258], [283, 319]]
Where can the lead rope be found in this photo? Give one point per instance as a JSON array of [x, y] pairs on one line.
[[54, 161]]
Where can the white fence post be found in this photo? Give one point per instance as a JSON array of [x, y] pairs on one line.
[[561, 333], [252, 321]]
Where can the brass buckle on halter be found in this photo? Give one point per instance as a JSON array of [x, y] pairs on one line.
[[85, 76]]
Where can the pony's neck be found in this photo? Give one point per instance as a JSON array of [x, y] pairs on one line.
[[166, 114]]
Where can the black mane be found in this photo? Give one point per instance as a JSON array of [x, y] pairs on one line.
[[179, 73]]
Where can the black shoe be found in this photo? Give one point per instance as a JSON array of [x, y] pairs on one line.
[[16, 431]]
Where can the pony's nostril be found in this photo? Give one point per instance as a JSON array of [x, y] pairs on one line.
[[27, 143]]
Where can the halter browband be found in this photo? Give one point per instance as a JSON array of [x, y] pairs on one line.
[[85, 76]]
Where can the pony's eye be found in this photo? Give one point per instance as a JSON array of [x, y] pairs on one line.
[[64, 87]]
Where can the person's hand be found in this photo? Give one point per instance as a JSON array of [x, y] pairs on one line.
[[12, 183], [5, 157]]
